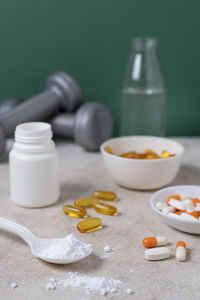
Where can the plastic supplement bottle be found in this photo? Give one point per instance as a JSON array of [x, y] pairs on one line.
[[34, 179]]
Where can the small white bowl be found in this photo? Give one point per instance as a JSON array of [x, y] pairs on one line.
[[142, 174], [162, 195]]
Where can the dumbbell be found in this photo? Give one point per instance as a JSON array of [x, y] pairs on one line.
[[90, 126], [62, 93], [8, 105]]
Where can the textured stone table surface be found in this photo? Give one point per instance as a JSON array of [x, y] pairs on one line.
[[81, 173]]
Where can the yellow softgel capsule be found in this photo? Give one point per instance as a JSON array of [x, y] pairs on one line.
[[104, 195], [108, 150], [75, 211], [165, 154], [90, 225], [105, 209], [85, 202]]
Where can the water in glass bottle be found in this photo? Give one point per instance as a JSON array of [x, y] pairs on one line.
[[143, 92]]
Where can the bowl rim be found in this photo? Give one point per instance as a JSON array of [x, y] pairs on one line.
[[138, 159], [168, 216]]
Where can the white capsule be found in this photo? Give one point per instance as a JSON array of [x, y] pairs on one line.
[[168, 209], [185, 216], [160, 205], [157, 253], [180, 253], [188, 204], [161, 240], [176, 204], [183, 196]]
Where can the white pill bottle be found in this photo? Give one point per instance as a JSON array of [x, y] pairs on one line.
[[34, 175]]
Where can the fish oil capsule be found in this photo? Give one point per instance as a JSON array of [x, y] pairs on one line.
[[157, 253], [90, 225], [105, 209], [149, 151], [75, 211], [85, 202], [108, 150], [165, 154], [155, 241], [104, 195], [181, 251], [150, 154], [130, 154]]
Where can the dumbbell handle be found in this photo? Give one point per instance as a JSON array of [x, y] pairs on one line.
[[37, 108], [64, 124]]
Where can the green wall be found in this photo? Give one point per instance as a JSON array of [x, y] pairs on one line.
[[91, 40]]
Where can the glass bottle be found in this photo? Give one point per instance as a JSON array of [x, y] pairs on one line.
[[143, 92]]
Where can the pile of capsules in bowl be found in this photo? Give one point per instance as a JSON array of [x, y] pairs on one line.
[[147, 154], [96, 201], [181, 206]]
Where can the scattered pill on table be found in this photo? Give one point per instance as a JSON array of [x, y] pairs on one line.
[[105, 209], [13, 285], [90, 225], [104, 195], [155, 241], [181, 251], [85, 202], [107, 249], [129, 291], [157, 253], [75, 211]]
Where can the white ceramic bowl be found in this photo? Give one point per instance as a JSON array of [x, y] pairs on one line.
[[142, 174], [162, 195]]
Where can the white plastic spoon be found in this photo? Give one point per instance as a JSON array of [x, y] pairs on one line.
[[36, 244]]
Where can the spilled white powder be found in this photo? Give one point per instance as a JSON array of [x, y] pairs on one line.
[[68, 248], [13, 285], [108, 251], [129, 291], [99, 285]]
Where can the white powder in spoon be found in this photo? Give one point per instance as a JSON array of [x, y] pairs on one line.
[[68, 248]]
